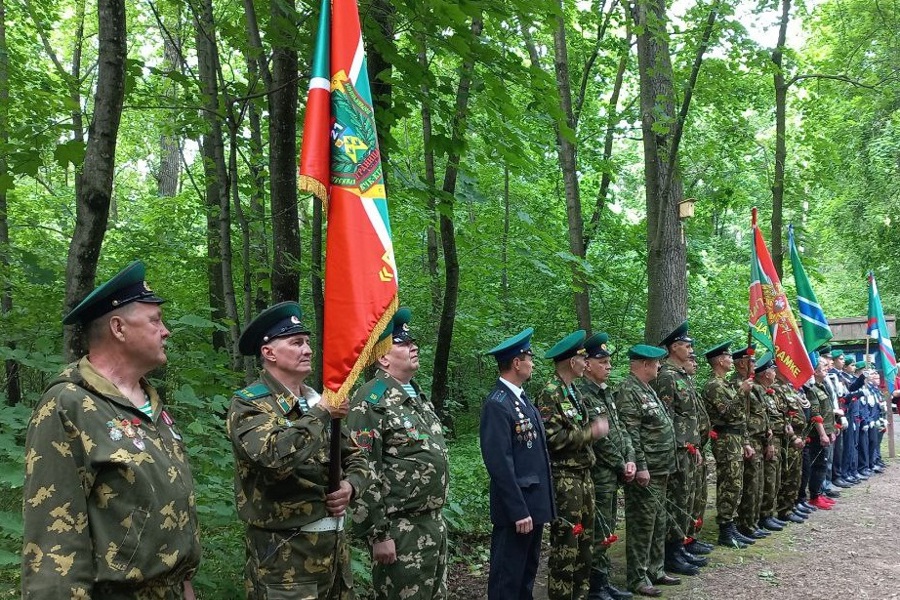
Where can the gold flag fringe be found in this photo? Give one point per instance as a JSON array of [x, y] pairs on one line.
[[370, 353], [308, 184]]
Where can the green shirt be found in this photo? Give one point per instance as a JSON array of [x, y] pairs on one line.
[[108, 496], [403, 441], [281, 453]]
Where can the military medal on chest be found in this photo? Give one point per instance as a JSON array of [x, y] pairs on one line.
[[524, 428], [121, 427]]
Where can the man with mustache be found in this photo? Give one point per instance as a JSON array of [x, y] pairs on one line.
[[280, 432]]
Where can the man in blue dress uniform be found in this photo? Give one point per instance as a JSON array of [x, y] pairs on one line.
[[514, 449]]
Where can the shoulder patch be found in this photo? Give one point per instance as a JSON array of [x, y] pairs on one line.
[[377, 391], [257, 390], [497, 395]]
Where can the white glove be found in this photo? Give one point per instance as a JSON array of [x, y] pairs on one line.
[[839, 412], [865, 427], [844, 422], [871, 401], [871, 423]]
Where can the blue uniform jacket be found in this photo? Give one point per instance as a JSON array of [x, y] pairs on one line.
[[514, 450]]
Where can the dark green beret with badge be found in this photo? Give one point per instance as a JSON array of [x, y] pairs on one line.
[[764, 363], [398, 328], [837, 353], [513, 347], [281, 320], [126, 287], [679, 334], [860, 364], [646, 352], [717, 350], [597, 346], [567, 347]]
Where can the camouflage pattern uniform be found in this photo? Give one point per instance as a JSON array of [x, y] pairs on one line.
[[675, 389], [612, 452], [281, 449], [567, 423], [701, 475], [758, 434], [772, 468], [653, 438], [109, 501], [791, 458], [404, 442], [821, 409], [727, 410]]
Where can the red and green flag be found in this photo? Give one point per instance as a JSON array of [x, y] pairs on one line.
[[877, 329], [341, 164], [772, 322]]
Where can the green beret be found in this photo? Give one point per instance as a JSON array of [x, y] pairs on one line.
[[281, 320], [514, 346], [744, 352], [717, 350], [825, 350], [125, 287], [398, 327], [679, 334], [860, 364], [764, 363], [596, 346], [837, 353], [567, 347], [645, 352]]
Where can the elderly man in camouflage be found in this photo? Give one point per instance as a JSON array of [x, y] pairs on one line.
[[400, 516], [108, 498], [726, 406], [701, 475], [653, 438], [571, 431], [765, 376], [759, 434], [614, 467], [280, 433], [792, 404], [675, 389], [821, 436]]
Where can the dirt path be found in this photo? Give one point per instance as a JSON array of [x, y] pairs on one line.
[[851, 552]]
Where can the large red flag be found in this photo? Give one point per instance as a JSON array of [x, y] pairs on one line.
[[772, 321], [340, 163]]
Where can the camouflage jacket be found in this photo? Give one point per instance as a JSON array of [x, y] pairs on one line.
[[281, 452], [567, 421], [675, 389], [108, 496], [647, 422], [726, 407], [792, 404], [403, 440], [613, 450], [820, 406], [757, 417], [774, 404]]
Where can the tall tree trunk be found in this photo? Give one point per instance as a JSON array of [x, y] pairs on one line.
[[10, 367], [169, 145], [93, 185], [215, 173], [431, 234], [380, 39], [781, 88], [566, 149], [283, 153], [440, 384], [662, 130]]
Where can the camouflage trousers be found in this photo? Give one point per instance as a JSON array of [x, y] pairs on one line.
[[134, 591], [701, 489], [791, 472], [297, 565], [606, 492], [645, 529], [751, 495], [771, 480], [569, 562], [420, 571], [728, 451], [681, 494]]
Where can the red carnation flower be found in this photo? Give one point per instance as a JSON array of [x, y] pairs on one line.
[[698, 522], [713, 435], [838, 426], [577, 529], [135, 421], [770, 391]]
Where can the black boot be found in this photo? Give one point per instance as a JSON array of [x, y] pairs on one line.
[[598, 587], [697, 547], [727, 538], [768, 524], [697, 561], [739, 535], [617, 594], [674, 562]]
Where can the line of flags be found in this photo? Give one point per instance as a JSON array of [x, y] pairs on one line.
[[772, 324]]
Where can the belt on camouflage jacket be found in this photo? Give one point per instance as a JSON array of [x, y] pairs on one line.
[[324, 524], [729, 430]]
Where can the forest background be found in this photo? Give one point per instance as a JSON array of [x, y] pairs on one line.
[[537, 155]]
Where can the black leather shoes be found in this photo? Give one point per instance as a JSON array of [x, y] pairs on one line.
[[832, 494], [792, 518], [617, 594], [768, 524], [698, 548], [667, 580], [648, 590], [693, 559], [841, 483]]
